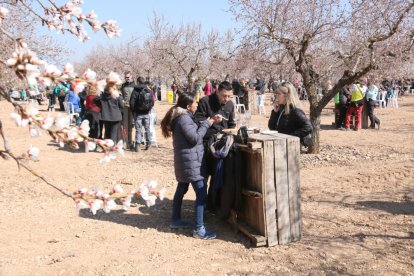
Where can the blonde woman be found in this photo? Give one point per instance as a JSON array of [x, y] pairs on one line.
[[111, 104], [287, 117]]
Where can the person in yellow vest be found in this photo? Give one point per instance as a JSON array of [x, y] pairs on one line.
[[357, 104]]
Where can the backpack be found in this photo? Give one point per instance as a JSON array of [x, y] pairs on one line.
[[145, 100]]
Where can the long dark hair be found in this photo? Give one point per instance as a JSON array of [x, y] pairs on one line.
[[184, 99]]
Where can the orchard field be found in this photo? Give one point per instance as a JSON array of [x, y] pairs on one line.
[[357, 204]]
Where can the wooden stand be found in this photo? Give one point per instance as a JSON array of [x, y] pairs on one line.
[[271, 212]]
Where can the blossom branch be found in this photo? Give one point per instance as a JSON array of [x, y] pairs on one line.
[[96, 200], [20, 163]]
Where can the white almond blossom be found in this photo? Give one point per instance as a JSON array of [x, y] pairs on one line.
[[118, 189], [89, 75], [33, 153]]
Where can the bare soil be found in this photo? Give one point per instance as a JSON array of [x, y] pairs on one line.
[[357, 204]]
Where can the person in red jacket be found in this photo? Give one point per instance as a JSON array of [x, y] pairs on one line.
[[208, 88], [93, 112]]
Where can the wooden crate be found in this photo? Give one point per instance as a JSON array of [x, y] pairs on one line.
[[271, 211]]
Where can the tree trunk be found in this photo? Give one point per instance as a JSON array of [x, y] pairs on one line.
[[310, 81], [315, 118]]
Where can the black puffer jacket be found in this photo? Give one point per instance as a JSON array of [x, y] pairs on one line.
[[133, 100], [295, 123], [111, 108]]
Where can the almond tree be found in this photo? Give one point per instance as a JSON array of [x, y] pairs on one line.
[[119, 58], [344, 40], [181, 49]]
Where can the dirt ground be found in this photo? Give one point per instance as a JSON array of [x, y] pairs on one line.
[[357, 205]]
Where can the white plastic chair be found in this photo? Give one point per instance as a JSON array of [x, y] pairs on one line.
[[239, 106], [70, 110], [381, 99], [153, 121], [393, 100], [262, 106]]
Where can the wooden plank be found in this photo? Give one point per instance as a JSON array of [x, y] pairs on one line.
[[282, 191], [270, 193], [255, 145], [364, 117], [259, 180], [245, 148], [261, 137], [255, 237], [252, 211], [293, 146]]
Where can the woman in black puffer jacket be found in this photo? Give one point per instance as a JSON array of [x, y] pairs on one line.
[[111, 105], [286, 117], [189, 162]]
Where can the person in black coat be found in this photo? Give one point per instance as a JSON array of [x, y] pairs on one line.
[[239, 90], [141, 114], [286, 117], [111, 104], [189, 161], [217, 103]]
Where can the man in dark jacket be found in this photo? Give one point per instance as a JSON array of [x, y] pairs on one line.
[[127, 119], [140, 114], [217, 103], [239, 90]]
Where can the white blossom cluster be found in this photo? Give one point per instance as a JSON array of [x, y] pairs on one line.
[[70, 18], [96, 200], [63, 133]]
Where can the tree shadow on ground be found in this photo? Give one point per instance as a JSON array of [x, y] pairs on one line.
[[361, 236], [395, 208], [158, 217]]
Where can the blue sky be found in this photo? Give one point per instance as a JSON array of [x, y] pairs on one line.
[[132, 17]]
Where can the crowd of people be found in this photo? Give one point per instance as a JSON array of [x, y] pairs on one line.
[[112, 113], [368, 94]]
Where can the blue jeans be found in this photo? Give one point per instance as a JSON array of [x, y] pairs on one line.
[[201, 194], [142, 120]]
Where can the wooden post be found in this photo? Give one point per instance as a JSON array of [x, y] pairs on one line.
[[270, 194], [364, 122], [282, 191], [295, 212]]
